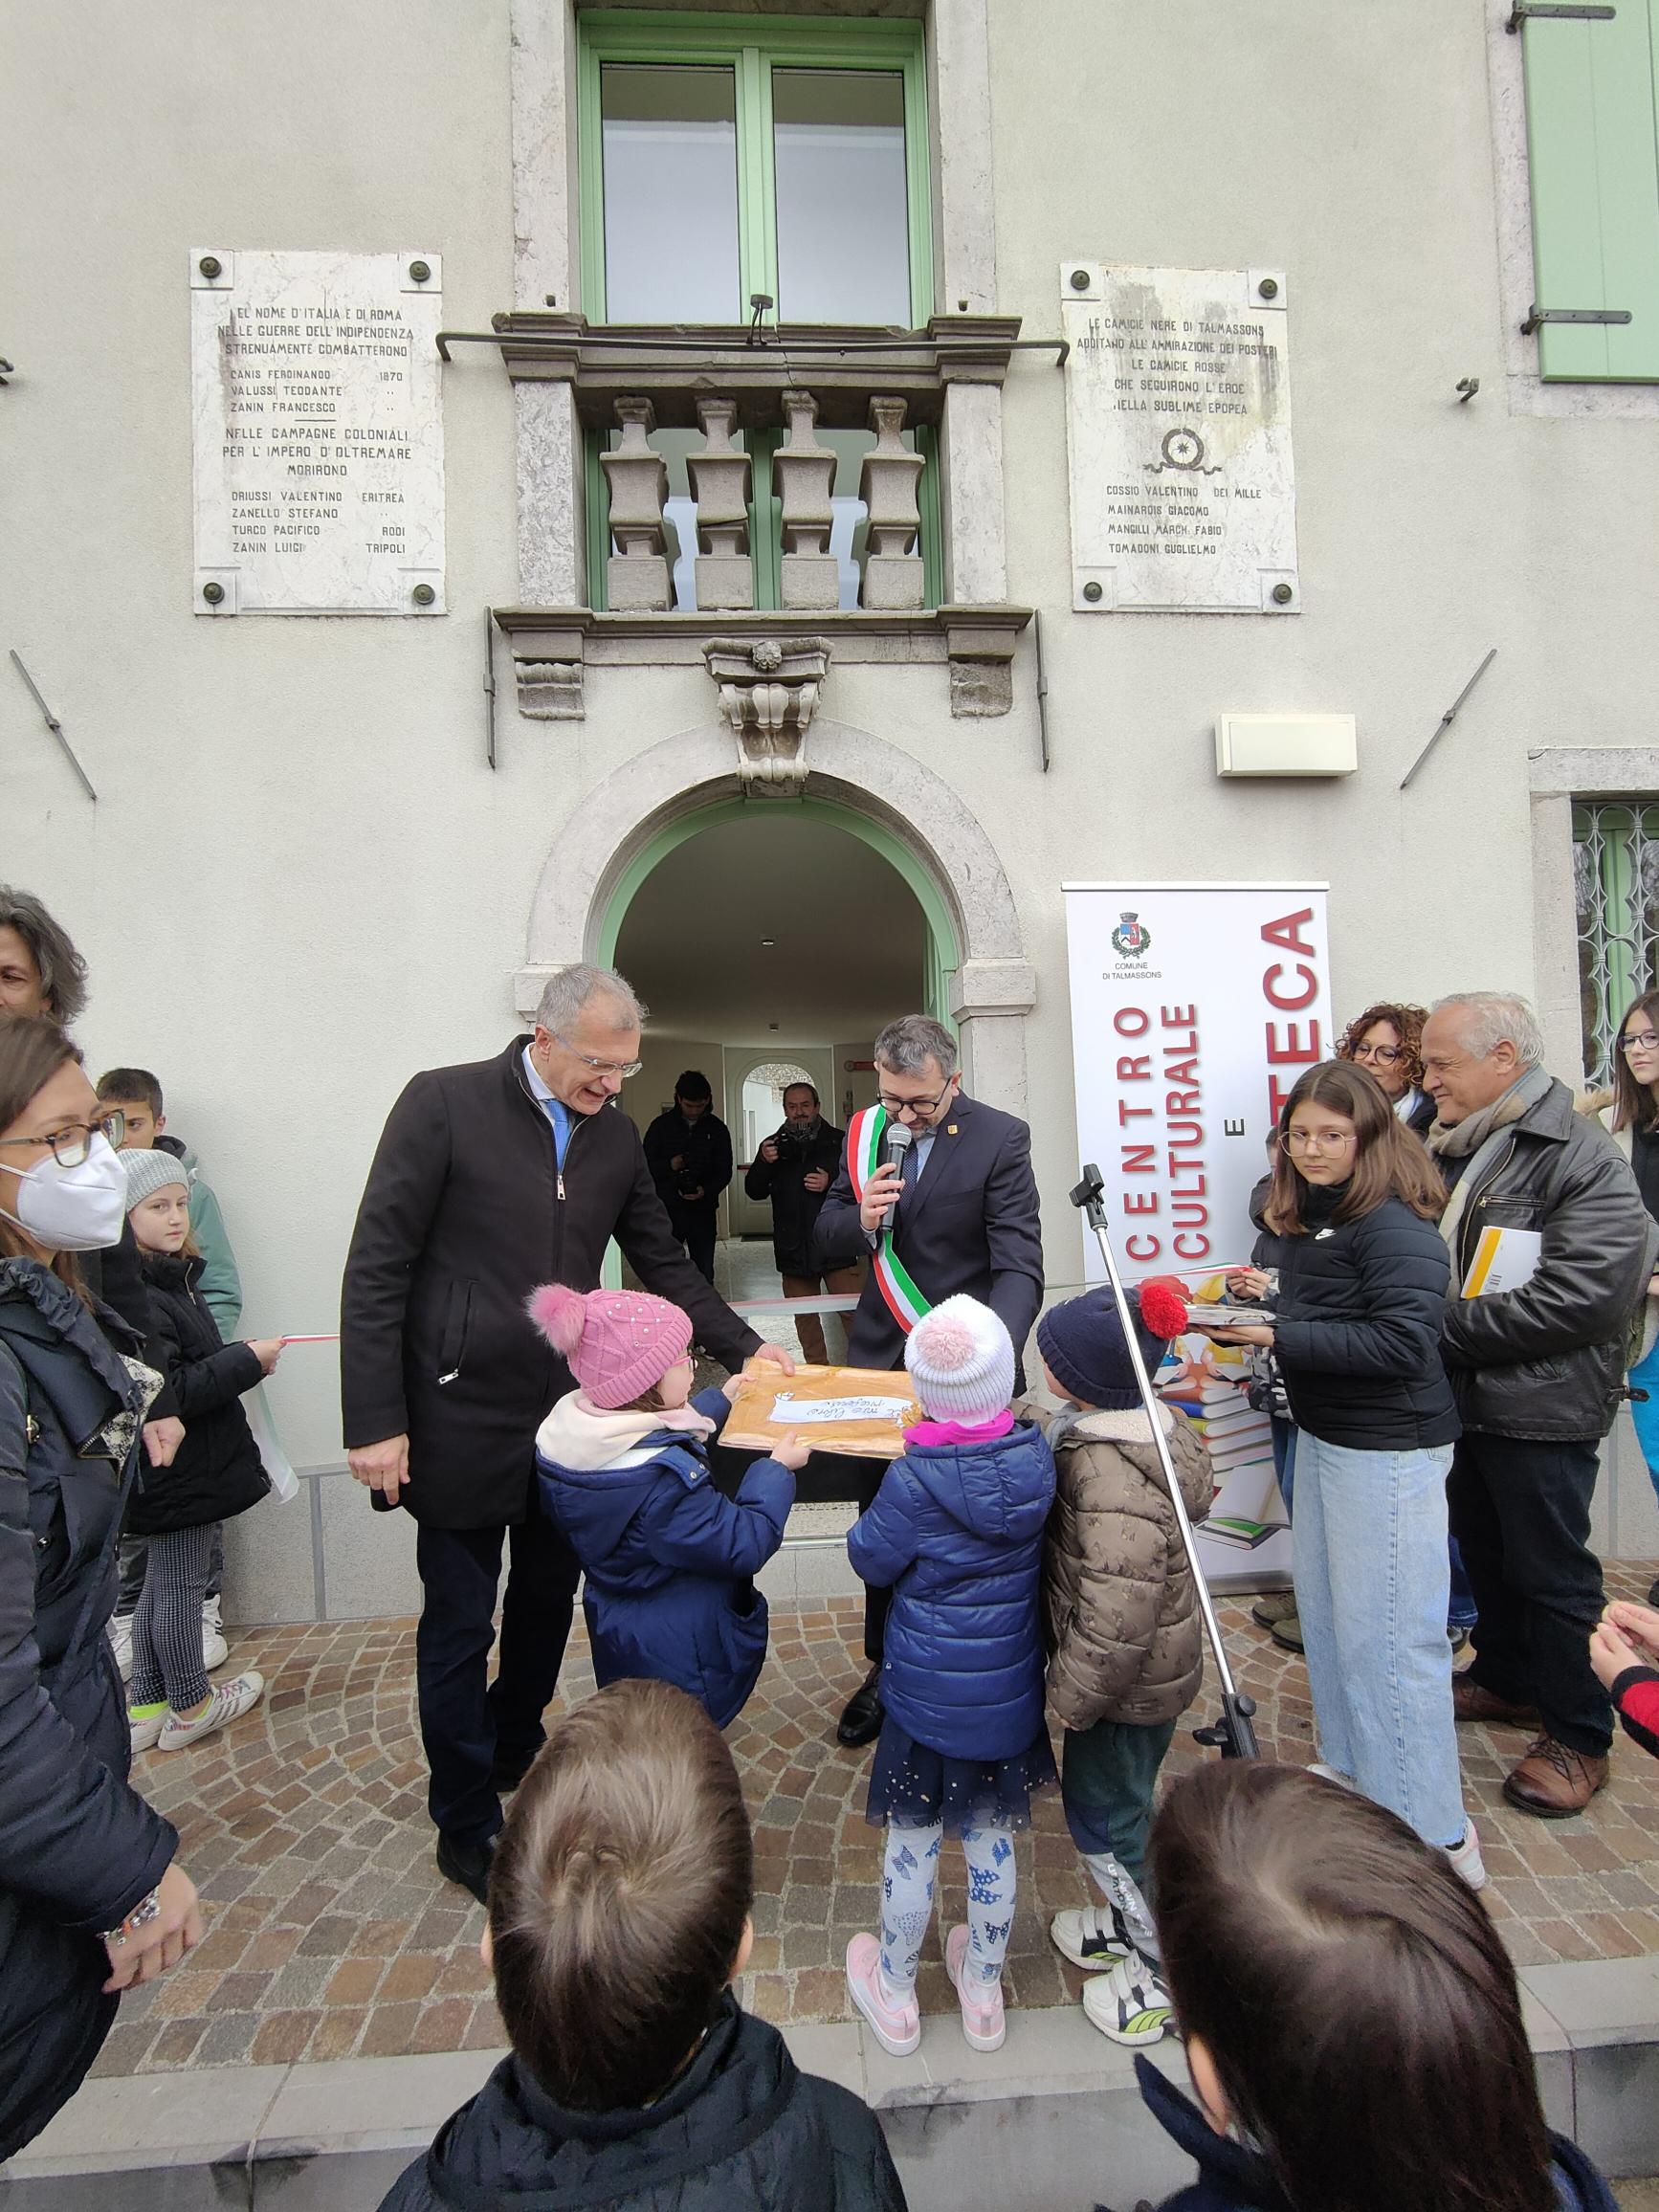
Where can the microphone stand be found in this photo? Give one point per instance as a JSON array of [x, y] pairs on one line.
[[1231, 1732]]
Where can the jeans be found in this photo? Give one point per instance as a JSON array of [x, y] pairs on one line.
[[1520, 1512], [1284, 1457], [1108, 1779], [1372, 1576], [463, 1725], [1461, 1612]]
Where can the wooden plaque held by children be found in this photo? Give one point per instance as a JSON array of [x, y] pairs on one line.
[[853, 1409]]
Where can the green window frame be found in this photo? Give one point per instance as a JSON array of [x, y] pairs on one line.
[[751, 47], [1616, 894], [1592, 101]]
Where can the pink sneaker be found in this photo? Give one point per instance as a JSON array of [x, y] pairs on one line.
[[895, 2027], [981, 2001]]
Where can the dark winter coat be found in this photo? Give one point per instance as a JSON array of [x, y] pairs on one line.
[[216, 1472], [670, 1561], [957, 1529], [1357, 1327], [78, 1848], [115, 1277], [741, 2130], [968, 1225], [1122, 1612], [795, 1210], [1234, 2179], [465, 1212], [1547, 1361], [704, 1149]]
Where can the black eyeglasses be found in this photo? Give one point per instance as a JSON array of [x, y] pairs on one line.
[[1642, 1041], [72, 1144]]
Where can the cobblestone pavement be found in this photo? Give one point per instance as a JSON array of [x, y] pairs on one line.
[[333, 1936]]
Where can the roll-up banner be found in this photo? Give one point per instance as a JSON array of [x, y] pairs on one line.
[[1195, 1007]]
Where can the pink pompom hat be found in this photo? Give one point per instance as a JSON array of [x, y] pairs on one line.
[[618, 1345], [961, 1361]]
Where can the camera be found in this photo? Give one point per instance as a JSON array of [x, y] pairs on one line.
[[791, 1142]]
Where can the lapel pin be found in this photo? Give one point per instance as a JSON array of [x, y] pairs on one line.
[[950, 1129]]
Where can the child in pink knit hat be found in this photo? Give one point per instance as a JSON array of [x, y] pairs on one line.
[[623, 1471]]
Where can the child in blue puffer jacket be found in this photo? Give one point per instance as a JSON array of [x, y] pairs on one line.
[[624, 1472], [957, 1529]]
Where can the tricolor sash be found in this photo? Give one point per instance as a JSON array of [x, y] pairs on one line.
[[864, 1135]]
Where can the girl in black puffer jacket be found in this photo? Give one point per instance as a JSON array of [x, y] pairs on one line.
[[1362, 1281], [216, 1475]]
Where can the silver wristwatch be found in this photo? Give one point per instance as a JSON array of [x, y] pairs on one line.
[[146, 1910]]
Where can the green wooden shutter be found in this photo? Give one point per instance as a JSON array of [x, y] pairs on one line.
[[1592, 105]]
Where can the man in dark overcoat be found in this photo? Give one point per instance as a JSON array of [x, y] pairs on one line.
[[489, 1179]]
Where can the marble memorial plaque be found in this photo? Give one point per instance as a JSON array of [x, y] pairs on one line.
[[1178, 419], [319, 454]]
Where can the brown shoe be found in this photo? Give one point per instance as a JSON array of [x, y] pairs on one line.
[[1473, 1701], [1554, 1783]]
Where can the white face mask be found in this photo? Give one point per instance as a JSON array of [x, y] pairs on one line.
[[74, 1209]]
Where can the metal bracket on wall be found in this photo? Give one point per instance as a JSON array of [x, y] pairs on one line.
[[490, 684], [1449, 718], [1541, 315], [6, 369], [1532, 11], [55, 727]]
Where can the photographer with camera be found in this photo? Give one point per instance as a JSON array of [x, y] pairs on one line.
[[688, 1149], [795, 1169]]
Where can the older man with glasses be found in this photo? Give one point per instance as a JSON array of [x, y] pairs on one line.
[[960, 1215], [489, 1179]]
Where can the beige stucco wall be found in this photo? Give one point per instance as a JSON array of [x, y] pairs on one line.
[[301, 881]]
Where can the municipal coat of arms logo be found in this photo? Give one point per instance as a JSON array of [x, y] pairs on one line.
[[1132, 938]]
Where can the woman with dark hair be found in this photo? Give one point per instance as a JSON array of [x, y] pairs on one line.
[[40, 970], [1350, 2017], [1387, 1041], [92, 1899], [1636, 1133], [1363, 1280]]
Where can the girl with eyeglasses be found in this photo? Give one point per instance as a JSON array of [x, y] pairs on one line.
[[1362, 1279], [1636, 1133], [92, 1898]]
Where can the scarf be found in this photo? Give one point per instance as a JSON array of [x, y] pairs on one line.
[[579, 1434], [1472, 1133]]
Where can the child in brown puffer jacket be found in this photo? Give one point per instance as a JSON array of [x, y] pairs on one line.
[[1122, 1628]]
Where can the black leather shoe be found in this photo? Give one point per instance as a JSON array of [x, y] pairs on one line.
[[468, 1864], [510, 1769], [861, 1722]]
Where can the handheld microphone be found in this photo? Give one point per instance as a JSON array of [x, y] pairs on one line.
[[898, 1140]]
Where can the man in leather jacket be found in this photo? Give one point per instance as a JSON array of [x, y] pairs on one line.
[[1538, 1369]]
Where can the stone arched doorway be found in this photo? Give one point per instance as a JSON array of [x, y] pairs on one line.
[[616, 833]]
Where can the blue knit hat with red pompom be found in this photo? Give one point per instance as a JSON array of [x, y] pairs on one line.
[[1083, 1343]]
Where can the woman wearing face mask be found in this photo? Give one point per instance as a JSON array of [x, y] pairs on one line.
[[1636, 1133], [1362, 1281], [91, 1898]]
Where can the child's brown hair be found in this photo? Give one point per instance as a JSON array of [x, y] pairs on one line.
[[621, 1886]]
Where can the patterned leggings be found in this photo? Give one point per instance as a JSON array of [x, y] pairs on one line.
[[166, 1627], [907, 1878]]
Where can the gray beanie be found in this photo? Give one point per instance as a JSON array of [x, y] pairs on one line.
[[962, 1361], [147, 1172]]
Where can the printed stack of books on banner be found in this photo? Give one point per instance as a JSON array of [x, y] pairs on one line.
[[1206, 1381]]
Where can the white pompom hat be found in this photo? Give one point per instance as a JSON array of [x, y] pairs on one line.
[[960, 1358]]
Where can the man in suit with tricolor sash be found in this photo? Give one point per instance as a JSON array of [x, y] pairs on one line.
[[959, 1216]]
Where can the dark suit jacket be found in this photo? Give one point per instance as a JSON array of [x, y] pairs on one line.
[[463, 1215], [970, 1224]]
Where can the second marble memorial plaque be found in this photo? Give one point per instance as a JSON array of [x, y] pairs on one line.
[[1178, 422]]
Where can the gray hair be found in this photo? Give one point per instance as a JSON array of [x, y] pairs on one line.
[[565, 996], [62, 970], [1490, 1019], [905, 1047]]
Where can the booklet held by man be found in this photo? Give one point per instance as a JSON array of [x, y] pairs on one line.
[[851, 1409], [1504, 1259]]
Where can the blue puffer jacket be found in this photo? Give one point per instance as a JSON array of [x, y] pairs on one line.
[[958, 1530], [667, 1559]]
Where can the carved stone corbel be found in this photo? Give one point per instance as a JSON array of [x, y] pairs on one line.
[[550, 690], [768, 689]]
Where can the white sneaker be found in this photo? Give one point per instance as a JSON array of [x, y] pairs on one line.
[[1466, 1859], [1095, 1936], [120, 1633], [1130, 2004], [981, 2001], [146, 1722], [227, 1702], [214, 1648]]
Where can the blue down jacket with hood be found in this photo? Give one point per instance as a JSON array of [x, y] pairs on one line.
[[957, 1529], [1235, 2177], [669, 1559]]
